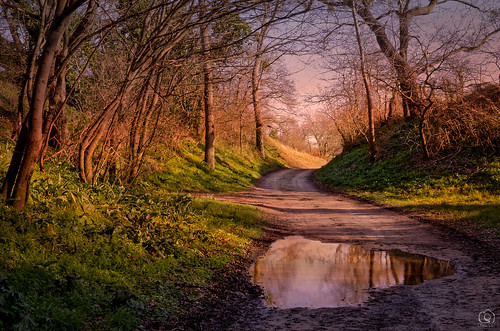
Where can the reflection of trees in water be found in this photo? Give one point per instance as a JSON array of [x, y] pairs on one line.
[[419, 268], [297, 271]]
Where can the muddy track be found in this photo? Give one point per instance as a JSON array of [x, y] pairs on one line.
[[297, 206]]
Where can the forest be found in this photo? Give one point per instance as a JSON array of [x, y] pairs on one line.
[[114, 111]]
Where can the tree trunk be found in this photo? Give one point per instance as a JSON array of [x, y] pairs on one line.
[[423, 139], [92, 139], [259, 126], [392, 105], [135, 132], [20, 109], [20, 173], [15, 163], [58, 133], [142, 131], [208, 98], [405, 75], [270, 12], [371, 125]]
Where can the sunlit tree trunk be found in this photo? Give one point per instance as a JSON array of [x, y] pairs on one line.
[[259, 125], [144, 126], [92, 138], [15, 189], [208, 97], [371, 125]]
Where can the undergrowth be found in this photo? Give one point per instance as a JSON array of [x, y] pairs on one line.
[[114, 257], [460, 189]]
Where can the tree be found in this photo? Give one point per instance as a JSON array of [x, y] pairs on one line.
[[379, 16], [208, 91], [317, 125], [364, 75], [151, 43], [270, 11], [55, 17], [21, 53], [269, 46]]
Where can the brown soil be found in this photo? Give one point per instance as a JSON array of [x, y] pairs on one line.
[[296, 206]]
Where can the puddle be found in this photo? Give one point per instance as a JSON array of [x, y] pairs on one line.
[[298, 272]]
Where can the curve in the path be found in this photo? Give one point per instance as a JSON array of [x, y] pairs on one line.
[[450, 303]]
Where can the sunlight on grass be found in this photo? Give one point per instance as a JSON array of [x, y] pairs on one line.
[[295, 158], [111, 257], [234, 170], [464, 200]]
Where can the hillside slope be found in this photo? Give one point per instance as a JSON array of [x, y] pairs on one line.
[[235, 169], [294, 158], [460, 189]]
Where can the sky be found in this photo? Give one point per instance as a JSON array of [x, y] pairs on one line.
[[309, 77]]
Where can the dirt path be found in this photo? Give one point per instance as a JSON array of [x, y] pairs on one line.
[[450, 303]]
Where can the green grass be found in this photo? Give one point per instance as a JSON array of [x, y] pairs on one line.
[[234, 170], [465, 196], [118, 258]]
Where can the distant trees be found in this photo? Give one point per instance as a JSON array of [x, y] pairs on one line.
[[321, 135], [274, 36], [265, 18]]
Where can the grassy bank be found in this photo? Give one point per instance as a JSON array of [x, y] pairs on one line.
[[115, 257], [235, 169], [461, 189]]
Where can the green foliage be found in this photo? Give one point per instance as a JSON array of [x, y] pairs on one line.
[[462, 190], [14, 310], [110, 257]]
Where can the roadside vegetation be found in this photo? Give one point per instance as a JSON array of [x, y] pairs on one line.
[[236, 170], [458, 187], [109, 256]]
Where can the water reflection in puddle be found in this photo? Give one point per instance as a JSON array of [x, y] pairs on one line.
[[297, 272]]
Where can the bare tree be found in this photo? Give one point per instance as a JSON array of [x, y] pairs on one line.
[[275, 35], [162, 28], [366, 83], [208, 90], [55, 17], [379, 16], [270, 10]]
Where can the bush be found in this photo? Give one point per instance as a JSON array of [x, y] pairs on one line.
[[114, 257], [472, 122]]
